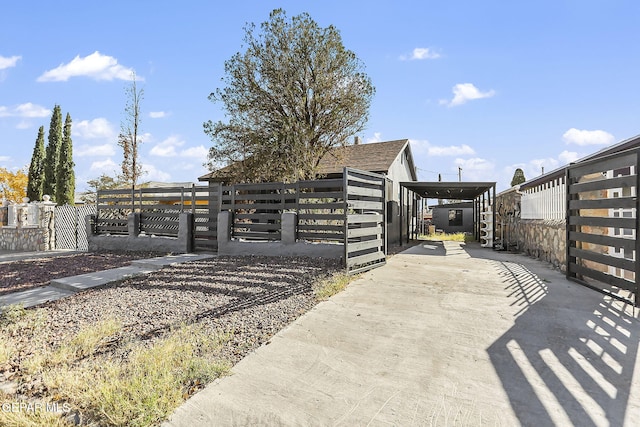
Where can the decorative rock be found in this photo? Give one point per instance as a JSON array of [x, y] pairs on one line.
[[9, 388]]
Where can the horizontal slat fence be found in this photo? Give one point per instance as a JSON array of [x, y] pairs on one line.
[[602, 224], [365, 228], [350, 210], [257, 209]]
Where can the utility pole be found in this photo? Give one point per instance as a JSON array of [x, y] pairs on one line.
[[459, 174]]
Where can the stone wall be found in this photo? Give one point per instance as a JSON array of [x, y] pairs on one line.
[[542, 239], [40, 237], [24, 239]]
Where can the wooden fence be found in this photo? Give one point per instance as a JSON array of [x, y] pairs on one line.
[[351, 209], [257, 209], [602, 224], [365, 228]]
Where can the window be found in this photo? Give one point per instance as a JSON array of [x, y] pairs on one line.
[[455, 217]]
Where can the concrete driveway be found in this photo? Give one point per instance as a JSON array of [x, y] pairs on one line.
[[445, 334]]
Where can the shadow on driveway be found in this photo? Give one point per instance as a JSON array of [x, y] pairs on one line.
[[570, 357]]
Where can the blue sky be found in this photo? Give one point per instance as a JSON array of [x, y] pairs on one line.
[[487, 86]]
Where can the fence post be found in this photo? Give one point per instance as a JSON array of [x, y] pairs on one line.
[[193, 199], [289, 225], [185, 231], [133, 224], [345, 197]]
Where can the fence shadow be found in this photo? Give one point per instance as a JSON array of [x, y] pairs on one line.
[[569, 358]]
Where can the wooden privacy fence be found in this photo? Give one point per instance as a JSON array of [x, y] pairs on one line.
[[257, 209], [350, 210], [365, 227], [602, 224], [159, 210]]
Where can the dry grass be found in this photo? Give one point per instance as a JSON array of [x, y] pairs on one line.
[[453, 237], [333, 285], [141, 386]]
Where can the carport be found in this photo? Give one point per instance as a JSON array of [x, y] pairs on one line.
[[481, 193]]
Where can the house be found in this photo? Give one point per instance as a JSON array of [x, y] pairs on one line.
[[390, 158], [454, 217]]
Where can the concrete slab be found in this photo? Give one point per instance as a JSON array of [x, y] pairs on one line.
[[83, 282], [168, 260], [444, 335], [34, 297]]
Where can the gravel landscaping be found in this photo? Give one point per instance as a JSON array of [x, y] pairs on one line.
[[33, 273], [248, 299]]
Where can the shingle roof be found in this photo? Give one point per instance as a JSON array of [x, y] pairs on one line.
[[373, 157]]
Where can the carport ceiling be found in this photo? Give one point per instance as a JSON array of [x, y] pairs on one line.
[[449, 190]]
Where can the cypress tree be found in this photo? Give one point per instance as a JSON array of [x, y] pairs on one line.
[[518, 177], [53, 153], [65, 177], [36, 169]]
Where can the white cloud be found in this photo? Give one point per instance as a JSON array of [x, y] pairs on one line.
[[4, 158], [464, 92], [167, 148], [8, 62], [151, 173], [476, 169], [158, 114], [421, 53], [28, 110], [199, 152], [588, 137], [106, 166], [94, 150], [95, 66], [424, 146], [567, 157], [24, 124], [377, 137], [92, 129], [452, 150]]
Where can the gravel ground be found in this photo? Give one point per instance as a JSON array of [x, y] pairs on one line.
[[251, 298], [33, 273]]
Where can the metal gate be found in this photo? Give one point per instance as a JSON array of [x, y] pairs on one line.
[[365, 241], [71, 232], [602, 224]]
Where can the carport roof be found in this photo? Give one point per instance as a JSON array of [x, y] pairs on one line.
[[449, 190]]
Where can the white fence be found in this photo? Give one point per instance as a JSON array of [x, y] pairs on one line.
[[546, 201], [71, 232]]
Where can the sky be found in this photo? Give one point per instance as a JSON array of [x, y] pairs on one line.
[[486, 86]]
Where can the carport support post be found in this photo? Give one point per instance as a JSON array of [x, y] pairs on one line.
[[494, 218], [637, 279], [400, 212]]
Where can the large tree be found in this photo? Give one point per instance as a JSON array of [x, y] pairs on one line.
[[65, 177], [129, 137], [13, 185], [103, 182], [36, 169], [295, 93], [53, 153]]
